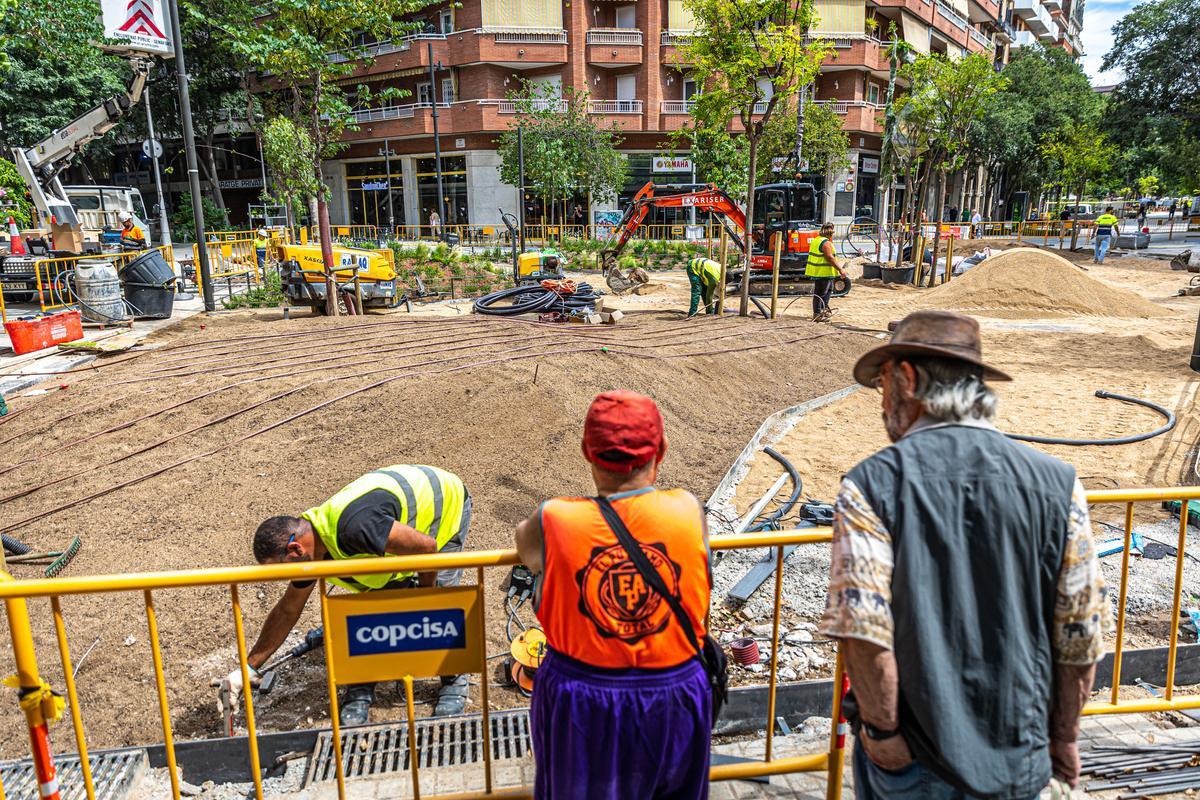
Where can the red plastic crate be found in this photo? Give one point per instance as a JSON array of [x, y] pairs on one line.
[[28, 335]]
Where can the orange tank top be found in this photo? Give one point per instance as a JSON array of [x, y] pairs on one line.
[[594, 605]]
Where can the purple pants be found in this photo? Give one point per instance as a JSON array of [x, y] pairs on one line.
[[619, 735]]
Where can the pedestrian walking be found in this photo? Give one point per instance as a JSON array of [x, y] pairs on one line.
[[976, 219], [822, 267], [1141, 216], [1107, 226], [435, 225], [1171, 211], [622, 705], [964, 587]]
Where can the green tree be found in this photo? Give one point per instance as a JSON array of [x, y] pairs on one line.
[[946, 99], [1083, 154], [748, 58], [566, 150], [289, 153], [1147, 186], [290, 47], [13, 199]]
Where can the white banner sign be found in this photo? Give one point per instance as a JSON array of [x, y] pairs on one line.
[[672, 164], [870, 164], [138, 25]]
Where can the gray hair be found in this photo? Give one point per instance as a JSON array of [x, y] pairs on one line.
[[952, 390]]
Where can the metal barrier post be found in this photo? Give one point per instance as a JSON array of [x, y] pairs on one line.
[[949, 273], [1116, 680], [483, 686], [251, 733], [331, 683], [837, 734], [412, 738], [30, 682], [724, 261], [85, 766], [160, 682], [1181, 546], [774, 652]]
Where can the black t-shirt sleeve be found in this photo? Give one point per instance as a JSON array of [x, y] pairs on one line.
[[365, 525]]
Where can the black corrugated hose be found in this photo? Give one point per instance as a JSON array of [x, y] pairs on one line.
[[14, 546], [771, 521], [1168, 425], [533, 298]]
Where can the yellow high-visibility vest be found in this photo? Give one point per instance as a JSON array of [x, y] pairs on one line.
[[818, 266]]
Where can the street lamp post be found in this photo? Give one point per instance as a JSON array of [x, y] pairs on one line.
[[387, 154], [437, 142], [189, 147], [164, 230]]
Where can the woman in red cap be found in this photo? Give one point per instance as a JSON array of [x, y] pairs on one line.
[[621, 705]]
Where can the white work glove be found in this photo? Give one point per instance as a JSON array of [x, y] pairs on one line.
[[230, 690]]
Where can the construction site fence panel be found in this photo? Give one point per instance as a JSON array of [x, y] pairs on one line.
[[55, 275], [154, 587]]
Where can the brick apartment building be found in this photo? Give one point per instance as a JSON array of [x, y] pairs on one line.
[[625, 55]]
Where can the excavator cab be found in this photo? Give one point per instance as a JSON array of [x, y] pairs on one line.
[[788, 210]]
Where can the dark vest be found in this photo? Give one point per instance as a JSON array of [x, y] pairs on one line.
[[978, 525]]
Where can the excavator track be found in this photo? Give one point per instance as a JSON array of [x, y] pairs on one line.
[[792, 282]]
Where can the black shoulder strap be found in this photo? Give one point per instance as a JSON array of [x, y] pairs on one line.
[[647, 570]]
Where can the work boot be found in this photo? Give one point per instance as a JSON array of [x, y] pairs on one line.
[[356, 704], [452, 697]]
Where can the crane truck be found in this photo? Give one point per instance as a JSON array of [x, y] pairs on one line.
[[41, 166]]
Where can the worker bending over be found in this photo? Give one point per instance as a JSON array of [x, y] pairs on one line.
[[399, 510], [704, 275], [622, 706], [822, 266], [132, 236]]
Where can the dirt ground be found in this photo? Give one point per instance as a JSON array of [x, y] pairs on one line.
[[169, 460]]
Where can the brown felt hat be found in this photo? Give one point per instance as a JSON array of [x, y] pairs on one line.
[[940, 334]]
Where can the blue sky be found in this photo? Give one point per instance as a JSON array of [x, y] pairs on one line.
[[1098, 18]]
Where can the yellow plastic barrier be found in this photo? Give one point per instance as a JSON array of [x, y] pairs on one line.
[[15, 594]]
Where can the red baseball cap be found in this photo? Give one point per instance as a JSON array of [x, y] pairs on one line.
[[623, 431]]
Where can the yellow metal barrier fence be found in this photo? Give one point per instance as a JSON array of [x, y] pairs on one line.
[[52, 273], [16, 593]]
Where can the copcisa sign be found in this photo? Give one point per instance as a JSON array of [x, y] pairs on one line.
[[137, 26]]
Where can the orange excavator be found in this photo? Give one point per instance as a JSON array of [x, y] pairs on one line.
[[780, 209]]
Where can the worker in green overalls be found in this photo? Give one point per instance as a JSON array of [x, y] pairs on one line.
[[404, 509], [822, 266], [704, 275]]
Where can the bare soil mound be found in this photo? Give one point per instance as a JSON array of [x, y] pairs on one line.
[[1028, 282], [170, 459]]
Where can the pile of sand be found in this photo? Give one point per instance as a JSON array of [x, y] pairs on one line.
[[1027, 282]]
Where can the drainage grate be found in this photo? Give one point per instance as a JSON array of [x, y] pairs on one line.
[[379, 749], [113, 775]]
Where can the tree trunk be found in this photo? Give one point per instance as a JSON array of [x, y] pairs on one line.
[[214, 180], [331, 306], [937, 227], [905, 216], [748, 238], [1075, 215]]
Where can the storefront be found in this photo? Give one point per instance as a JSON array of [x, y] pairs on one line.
[[454, 189], [370, 189], [866, 199]]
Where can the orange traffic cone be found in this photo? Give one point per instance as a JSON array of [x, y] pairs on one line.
[[16, 245]]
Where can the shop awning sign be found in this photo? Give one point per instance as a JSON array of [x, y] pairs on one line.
[[672, 164]]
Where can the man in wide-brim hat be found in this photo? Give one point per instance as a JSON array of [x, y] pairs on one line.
[[964, 587]]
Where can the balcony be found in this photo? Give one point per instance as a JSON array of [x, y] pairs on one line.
[[515, 107], [1035, 15], [1004, 32], [1052, 5], [614, 47], [1023, 39], [675, 38], [859, 115], [981, 40], [614, 106], [854, 51], [680, 107], [383, 48], [516, 48], [983, 10], [953, 17]]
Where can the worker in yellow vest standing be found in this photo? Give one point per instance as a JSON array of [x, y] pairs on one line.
[[704, 275], [403, 509], [822, 266], [261, 240], [1107, 226]]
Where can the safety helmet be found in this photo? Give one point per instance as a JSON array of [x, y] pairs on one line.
[[262, 232], [124, 216]]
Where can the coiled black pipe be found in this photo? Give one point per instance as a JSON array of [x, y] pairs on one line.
[[14, 546], [770, 521], [1141, 437], [535, 299]]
